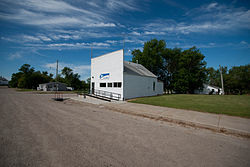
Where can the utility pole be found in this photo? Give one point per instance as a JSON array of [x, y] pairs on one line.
[[221, 77], [56, 69]]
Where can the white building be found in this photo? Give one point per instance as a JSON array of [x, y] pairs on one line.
[[52, 86], [113, 77], [3, 81], [207, 89]]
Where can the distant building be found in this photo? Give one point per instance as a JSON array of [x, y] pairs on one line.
[[112, 76], [3, 81], [209, 89], [70, 88], [52, 86]]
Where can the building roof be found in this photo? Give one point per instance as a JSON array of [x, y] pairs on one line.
[[3, 79], [212, 86], [51, 83], [137, 69]]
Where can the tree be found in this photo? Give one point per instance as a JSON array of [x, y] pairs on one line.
[[27, 77], [181, 71], [213, 77], [171, 60], [71, 79], [14, 79], [236, 79], [26, 69], [151, 57], [86, 84], [66, 71], [191, 73]]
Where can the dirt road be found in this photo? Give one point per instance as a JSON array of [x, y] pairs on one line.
[[37, 131]]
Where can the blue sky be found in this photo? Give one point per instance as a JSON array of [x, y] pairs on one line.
[[40, 32]]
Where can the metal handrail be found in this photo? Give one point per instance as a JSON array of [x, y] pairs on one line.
[[106, 94]]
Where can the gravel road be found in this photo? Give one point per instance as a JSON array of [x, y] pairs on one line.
[[37, 131]]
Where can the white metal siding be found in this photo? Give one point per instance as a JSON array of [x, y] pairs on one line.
[[139, 86], [111, 63], [159, 88]]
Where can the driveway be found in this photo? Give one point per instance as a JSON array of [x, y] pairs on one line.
[[37, 131]]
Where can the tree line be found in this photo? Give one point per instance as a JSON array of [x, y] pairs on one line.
[[28, 78], [184, 71], [236, 80]]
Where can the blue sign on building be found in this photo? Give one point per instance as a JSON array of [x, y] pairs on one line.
[[104, 76]]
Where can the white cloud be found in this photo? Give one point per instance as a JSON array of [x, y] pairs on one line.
[[77, 45], [243, 43], [94, 4], [8, 39], [111, 41], [65, 36], [135, 33], [100, 44], [53, 6], [175, 4], [52, 14], [14, 56], [211, 6], [208, 18], [61, 45], [154, 33], [30, 38], [83, 70], [121, 4], [101, 25], [44, 38]]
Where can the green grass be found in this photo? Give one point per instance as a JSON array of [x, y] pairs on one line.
[[235, 105]]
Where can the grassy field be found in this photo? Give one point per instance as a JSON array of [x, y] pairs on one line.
[[236, 105]]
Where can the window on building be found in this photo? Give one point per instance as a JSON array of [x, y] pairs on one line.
[[119, 84], [153, 86], [109, 84], [102, 84]]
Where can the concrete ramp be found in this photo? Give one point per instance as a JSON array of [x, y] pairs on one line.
[[89, 99]]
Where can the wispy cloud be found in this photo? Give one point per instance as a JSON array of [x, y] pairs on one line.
[[67, 46], [14, 56], [173, 3], [185, 45], [101, 25], [30, 38], [78, 45], [120, 4], [244, 44], [135, 33], [51, 13], [207, 18], [71, 26], [83, 70], [154, 33]]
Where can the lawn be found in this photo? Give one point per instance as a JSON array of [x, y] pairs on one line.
[[236, 105]]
